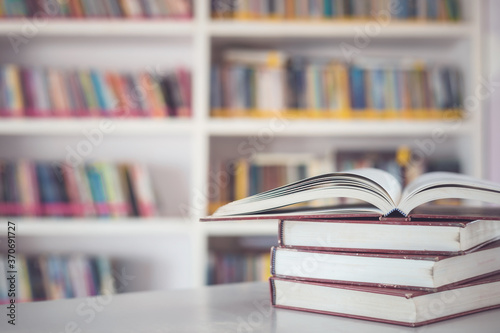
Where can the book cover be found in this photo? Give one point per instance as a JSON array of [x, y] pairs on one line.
[[387, 305], [403, 271]]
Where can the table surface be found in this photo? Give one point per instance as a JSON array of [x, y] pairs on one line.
[[241, 308]]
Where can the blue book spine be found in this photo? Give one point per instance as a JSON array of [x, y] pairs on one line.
[[215, 87], [357, 88], [318, 84], [253, 186], [432, 9], [302, 171], [247, 86], [98, 88], [378, 89], [398, 103], [328, 8], [446, 77], [68, 286], [96, 186], [48, 192], [400, 8], [334, 6]]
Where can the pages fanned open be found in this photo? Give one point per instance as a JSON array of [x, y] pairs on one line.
[[377, 188]]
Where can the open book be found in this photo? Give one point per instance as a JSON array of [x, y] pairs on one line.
[[375, 187]]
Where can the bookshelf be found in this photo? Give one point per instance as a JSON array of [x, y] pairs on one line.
[[170, 251], [101, 27]]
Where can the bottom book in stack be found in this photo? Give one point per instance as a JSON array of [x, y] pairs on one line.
[[390, 305], [401, 288]]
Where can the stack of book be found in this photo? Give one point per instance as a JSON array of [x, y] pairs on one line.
[[97, 9], [261, 83], [442, 10], [56, 189], [51, 92], [51, 277], [398, 261]]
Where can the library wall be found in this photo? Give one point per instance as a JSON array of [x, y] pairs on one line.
[[185, 153], [492, 44]]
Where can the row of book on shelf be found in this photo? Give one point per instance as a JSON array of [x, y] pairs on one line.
[[50, 277], [402, 260], [96, 9], [99, 189], [265, 171], [259, 83], [230, 267], [442, 10], [238, 259], [51, 92]]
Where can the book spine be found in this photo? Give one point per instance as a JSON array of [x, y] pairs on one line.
[[38, 92]]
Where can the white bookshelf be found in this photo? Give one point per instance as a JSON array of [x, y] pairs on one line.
[[71, 126], [98, 28], [339, 128], [327, 29], [88, 227], [182, 149]]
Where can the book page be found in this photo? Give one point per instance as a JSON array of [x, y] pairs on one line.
[[372, 186], [387, 181], [446, 185], [433, 179]]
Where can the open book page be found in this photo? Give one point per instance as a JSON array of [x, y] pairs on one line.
[[447, 185], [387, 181], [373, 186]]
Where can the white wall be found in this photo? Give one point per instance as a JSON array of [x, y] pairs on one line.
[[492, 70]]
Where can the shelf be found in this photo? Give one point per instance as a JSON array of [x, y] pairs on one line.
[[251, 228], [334, 128], [96, 28], [75, 126], [270, 29], [98, 227]]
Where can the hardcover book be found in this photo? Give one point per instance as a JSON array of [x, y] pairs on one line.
[[388, 305], [419, 236], [420, 272], [376, 187]]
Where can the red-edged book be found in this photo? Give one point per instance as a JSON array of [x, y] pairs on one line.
[[436, 230], [417, 272], [394, 306], [433, 234], [392, 220]]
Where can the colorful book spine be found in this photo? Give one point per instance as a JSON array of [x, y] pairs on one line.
[[50, 277], [238, 267], [266, 171], [147, 9], [428, 10], [59, 190], [49, 92], [245, 86]]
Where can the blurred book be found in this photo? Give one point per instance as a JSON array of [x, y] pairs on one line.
[[97, 9], [239, 259], [59, 190], [50, 92], [250, 83], [422, 10], [265, 171], [49, 277]]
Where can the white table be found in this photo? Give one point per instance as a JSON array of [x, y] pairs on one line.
[[242, 308]]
